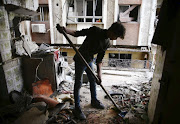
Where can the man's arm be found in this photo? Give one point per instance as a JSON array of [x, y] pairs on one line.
[[75, 33], [100, 56], [68, 31], [99, 73]]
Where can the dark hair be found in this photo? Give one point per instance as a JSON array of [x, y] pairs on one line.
[[118, 29]]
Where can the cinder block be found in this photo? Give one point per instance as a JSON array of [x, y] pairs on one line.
[[6, 55], [13, 75], [10, 85], [19, 87], [5, 35], [4, 23], [17, 71], [18, 82], [12, 63], [8, 74], [5, 46]]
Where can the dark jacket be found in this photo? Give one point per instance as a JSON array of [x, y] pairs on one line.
[[96, 42]]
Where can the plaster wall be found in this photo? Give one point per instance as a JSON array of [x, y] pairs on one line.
[[11, 67], [145, 17], [110, 13], [160, 57]]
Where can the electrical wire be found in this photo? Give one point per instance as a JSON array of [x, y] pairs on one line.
[[36, 74]]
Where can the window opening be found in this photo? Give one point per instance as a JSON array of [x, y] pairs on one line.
[[85, 11], [44, 14], [119, 60], [129, 13], [89, 11], [125, 60], [134, 14]]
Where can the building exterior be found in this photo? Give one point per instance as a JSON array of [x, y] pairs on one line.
[[133, 52], [137, 16]]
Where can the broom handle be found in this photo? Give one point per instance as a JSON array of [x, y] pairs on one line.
[[84, 61]]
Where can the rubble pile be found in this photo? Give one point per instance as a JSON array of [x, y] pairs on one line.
[[66, 87], [46, 106], [57, 108], [133, 101], [38, 109]]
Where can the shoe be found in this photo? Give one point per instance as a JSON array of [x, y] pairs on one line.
[[79, 114], [97, 104]]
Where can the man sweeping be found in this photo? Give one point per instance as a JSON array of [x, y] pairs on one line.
[[96, 42]]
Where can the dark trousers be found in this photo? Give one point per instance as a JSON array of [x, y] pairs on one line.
[[79, 69]]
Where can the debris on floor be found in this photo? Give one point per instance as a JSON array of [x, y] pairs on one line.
[[37, 109], [46, 106], [32, 116], [132, 96]]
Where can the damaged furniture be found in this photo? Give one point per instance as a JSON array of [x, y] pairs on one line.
[[37, 68]]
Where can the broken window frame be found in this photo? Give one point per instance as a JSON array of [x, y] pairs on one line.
[[128, 18], [44, 14], [84, 18]]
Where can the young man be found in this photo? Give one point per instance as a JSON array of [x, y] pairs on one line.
[[96, 42]]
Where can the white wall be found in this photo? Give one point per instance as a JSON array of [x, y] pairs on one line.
[[51, 21], [152, 21], [105, 13], [160, 57], [147, 12], [59, 17]]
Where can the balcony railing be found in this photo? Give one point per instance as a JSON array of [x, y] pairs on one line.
[[122, 63], [127, 63]]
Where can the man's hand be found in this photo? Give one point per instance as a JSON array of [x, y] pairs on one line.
[[60, 28], [68, 31], [100, 80]]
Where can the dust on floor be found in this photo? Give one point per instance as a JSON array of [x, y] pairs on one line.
[[135, 87]]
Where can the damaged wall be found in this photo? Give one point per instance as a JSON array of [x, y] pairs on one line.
[[160, 57], [145, 18], [10, 67], [110, 13], [59, 17], [7, 76], [165, 109], [29, 4], [5, 35]]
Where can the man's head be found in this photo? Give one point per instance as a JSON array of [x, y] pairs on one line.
[[116, 30]]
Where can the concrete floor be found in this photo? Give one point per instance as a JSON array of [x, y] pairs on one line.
[[109, 78]]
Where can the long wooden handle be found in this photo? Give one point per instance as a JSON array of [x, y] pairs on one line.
[[84, 61]]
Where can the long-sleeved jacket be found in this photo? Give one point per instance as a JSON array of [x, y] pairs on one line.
[[96, 42]]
